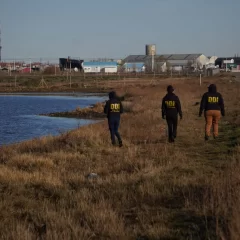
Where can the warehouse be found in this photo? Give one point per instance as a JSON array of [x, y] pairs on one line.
[[67, 63], [97, 67], [176, 61]]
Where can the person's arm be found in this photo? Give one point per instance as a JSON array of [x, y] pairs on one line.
[[106, 107], [163, 108], [221, 104], [179, 108], [202, 105], [121, 108]]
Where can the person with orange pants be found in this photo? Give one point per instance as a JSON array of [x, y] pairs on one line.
[[212, 104]]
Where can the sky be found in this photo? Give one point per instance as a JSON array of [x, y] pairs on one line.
[[49, 29]]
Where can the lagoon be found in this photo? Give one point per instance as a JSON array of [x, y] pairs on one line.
[[20, 120]]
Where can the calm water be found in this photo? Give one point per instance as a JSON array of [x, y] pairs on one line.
[[19, 118]]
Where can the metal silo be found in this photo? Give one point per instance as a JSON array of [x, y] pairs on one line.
[[151, 49]]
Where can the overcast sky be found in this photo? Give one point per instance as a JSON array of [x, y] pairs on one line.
[[116, 28]]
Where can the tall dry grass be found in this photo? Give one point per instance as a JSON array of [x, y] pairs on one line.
[[148, 189]]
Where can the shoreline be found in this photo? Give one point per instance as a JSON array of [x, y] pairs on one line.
[[74, 93], [53, 89], [93, 112], [85, 113]]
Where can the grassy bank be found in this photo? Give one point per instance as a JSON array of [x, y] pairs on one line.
[[92, 112], [148, 189]]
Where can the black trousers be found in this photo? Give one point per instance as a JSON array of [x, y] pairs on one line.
[[113, 128], [172, 122]]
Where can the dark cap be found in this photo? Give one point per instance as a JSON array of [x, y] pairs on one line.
[[170, 89]]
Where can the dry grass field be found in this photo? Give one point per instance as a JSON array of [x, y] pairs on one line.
[[148, 189]]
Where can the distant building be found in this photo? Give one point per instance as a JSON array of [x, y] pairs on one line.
[[231, 62], [25, 70], [67, 63], [134, 67], [97, 67], [212, 59], [176, 61]]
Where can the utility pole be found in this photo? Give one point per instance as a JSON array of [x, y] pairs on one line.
[[152, 61], [0, 45], [70, 74]]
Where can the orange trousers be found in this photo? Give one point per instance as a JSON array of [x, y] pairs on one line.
[[212, 117]]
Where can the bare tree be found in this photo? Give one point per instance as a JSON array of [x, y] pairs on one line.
[[148, 65], [158, 64], [199, 65], [168, 66], [159, 67], [189, 64]]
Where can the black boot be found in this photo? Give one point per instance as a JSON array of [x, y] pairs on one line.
[[215, 137], [120, 144]]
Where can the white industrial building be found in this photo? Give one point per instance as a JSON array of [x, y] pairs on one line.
[[97, 67], [177, 62], [212, 59]]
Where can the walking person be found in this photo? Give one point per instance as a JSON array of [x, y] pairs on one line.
[[113, 108], [212, 104], [171, 108]]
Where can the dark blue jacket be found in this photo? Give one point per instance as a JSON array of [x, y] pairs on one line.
[[171, 105], [113, 107], [212, 100]]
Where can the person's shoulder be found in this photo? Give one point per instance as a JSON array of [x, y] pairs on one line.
[[176, 97], [164, 97], [117, 100]]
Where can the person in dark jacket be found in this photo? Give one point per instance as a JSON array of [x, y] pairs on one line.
[[171, 108], [113, 108], [212, 104]]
